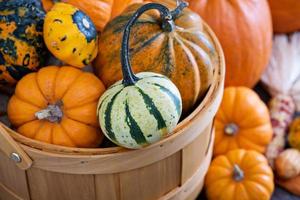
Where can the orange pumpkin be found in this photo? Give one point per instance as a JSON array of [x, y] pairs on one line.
[[58, 106], [244, 28], [100, 11], [181, 50], [239, 175], [285, 15], [242, 121]]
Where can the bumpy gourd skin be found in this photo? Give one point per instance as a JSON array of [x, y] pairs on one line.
[[22, 49], [70, 35]]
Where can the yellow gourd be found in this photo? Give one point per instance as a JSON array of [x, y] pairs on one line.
[[70, 35]]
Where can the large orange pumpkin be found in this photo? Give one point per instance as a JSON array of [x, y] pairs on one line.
[[239, 175], [184, 52], [100, 11], [244, 28], [242, 121], [285, 15], [58, 106]]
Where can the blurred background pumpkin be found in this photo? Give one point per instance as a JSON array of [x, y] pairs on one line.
[[244, 28], [100, 11]]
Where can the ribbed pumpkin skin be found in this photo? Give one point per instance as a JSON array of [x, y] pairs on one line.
[[141, 114], [186, 55], [242, 107], [21, 39], [70, 35], [285, 15], [258, 183], [244, 28], [100, 11], [78, 93]]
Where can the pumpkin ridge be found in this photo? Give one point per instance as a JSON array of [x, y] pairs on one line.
[[249, 142], [265, 190], [37, 130], [263, 183], [71, 84], [204, 61], [24, 100], [65, 114], [67, 134], [39, 87], [134, 129], [193, 63]]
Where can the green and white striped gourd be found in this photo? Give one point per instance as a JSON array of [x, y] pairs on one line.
[[140, 109]]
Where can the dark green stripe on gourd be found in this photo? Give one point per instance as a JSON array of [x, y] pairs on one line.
[[153, 110], [174, 98], [135, 130], [108, 120], [137, 113]]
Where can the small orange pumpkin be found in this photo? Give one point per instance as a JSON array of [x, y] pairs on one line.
[[242, 121], [100, 11], [58, 106], [239, 175]]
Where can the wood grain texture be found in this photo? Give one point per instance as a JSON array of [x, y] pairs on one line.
[[8, 145], [194, 154], [7, 194], [55, 186], [107, 187], [153, 181], [12, 177]]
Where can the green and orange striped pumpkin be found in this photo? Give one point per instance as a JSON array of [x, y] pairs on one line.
[[184, 53]]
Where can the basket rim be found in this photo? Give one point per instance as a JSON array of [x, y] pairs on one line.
[[204, 106]]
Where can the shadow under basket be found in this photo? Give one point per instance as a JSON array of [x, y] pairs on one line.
[[173, 168]]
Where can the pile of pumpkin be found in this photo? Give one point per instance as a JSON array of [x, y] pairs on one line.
[[65, 105], [250, 139], [58, 105]]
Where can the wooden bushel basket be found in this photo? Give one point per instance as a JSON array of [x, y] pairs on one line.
[[173, 168]]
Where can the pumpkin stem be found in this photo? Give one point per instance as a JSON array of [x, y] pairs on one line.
[[238, 174], [52, 113], [167, 25], [231, 129], [180, 6]]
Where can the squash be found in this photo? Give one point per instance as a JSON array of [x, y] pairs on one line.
[[70, 35], [21, 39], [292, 185], [294, 134], [240, 174], [58, 106], [242, 121], [140, 109], [100, 11], [285, 15], [182, 51], [287, 164], [244, 29]]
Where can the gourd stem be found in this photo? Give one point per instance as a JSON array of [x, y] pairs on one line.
[[231, 129], [238, 174], [52, 113], [167, 24]]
